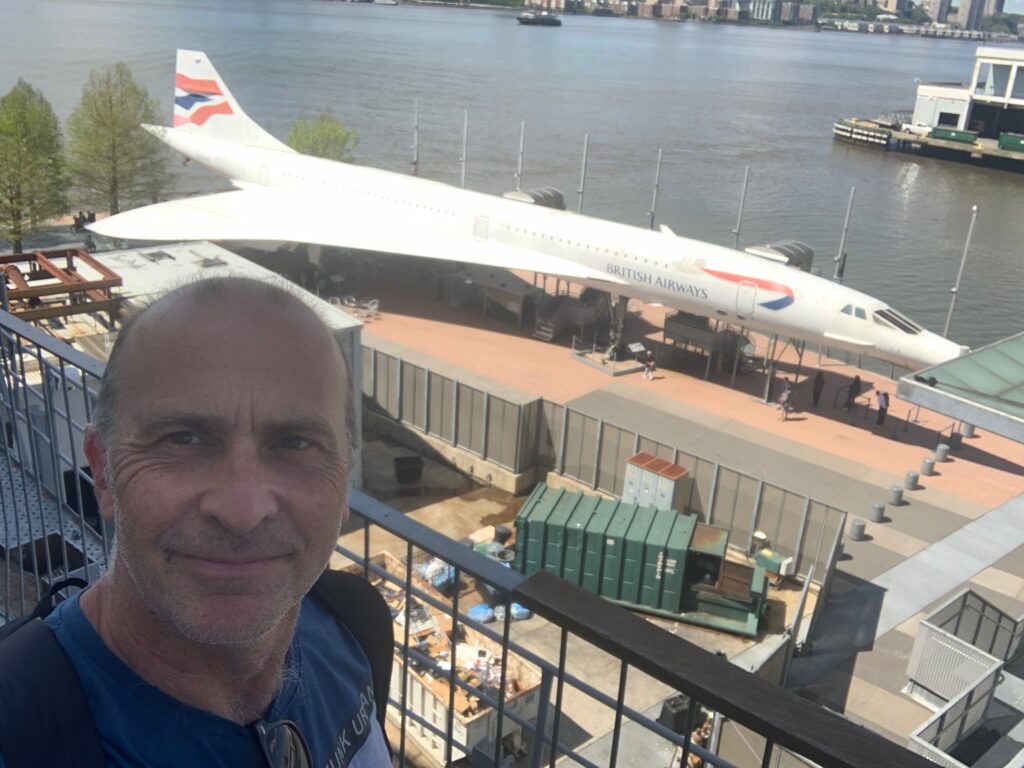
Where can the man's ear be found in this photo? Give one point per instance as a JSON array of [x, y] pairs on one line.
[[98, 465]]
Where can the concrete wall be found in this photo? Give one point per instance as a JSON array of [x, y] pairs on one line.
[[931, 101]]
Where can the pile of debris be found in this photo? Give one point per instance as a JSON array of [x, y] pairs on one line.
[[433, 648]]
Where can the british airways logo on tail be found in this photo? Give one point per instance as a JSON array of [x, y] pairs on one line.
[[196, 101], [783, 301]]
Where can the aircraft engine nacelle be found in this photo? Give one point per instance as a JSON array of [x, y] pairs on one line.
[[793, 253], [549, 197]]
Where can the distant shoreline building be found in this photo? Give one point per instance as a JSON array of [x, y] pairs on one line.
[[970, 13], [937, 10], [766, 10], [991, 105]]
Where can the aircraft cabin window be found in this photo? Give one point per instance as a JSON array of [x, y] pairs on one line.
[[861, 314], [848, 309]]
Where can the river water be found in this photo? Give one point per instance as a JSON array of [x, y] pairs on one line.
[[715, 98]]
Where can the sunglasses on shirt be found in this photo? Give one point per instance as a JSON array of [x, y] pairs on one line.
[[282, 744]]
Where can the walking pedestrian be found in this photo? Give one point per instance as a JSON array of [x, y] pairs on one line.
[[882, 398], [649, 365], [785, 400]]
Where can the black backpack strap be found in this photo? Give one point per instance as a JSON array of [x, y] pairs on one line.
[[44, 607], [44, 717], [359, 606]]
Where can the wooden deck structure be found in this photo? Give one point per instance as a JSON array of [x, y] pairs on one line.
[[58, 283]]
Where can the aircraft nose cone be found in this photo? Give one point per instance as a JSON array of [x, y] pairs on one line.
[[937, 350]]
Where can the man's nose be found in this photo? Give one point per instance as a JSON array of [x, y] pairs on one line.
[[241, 495]]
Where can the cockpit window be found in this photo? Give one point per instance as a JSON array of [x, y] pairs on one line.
[[902, 322], [861, 313], [848, 309]]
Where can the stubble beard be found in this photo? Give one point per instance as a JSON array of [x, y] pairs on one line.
[[173, 608]]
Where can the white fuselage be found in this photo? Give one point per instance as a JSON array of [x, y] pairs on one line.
[[679, 272]]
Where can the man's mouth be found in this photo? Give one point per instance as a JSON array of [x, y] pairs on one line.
[[231, 566]]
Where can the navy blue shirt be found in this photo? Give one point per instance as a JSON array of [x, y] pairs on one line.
[[328, 693]]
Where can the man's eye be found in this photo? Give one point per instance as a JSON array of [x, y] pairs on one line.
[[294, 443], [182, 438]]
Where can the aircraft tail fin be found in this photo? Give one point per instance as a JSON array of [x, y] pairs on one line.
[[203, 104]]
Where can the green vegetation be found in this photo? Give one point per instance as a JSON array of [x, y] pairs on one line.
[[851, 11], [31, 163], [1002, 22], [114, 163], [323, 136], [918, 15]]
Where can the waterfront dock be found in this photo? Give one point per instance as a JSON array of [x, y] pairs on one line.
[[981, 122], [875, 133]]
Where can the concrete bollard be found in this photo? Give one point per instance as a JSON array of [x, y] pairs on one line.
[[967, 430], [857, 530], [910, 481], [928, 466], [877, 512], [942, 452], [895, 495]]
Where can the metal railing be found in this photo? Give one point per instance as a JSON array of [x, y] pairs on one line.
[[938, 737], [48, 522], [958, 655], [579, 715], [791, 727]]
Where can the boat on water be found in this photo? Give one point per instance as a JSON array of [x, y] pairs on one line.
[[539, 19]]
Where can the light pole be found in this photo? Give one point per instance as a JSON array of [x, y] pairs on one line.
[[519, 163], [465, 146], [840, 258], [739, 218], [416, 138], [583, 174], [657, 183], [960, 272]]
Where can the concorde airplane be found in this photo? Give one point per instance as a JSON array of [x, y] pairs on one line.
[[281, 195]]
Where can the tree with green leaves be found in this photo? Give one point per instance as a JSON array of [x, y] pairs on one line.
[[323, 136], [114, 162], [32, 179]]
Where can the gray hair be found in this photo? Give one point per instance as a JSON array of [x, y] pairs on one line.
[[202, 292]]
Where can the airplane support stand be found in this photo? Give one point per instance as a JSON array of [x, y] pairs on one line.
[[769, 366], [772, 358], [799, 346], [314, 253], [618, 322], [736, 359]]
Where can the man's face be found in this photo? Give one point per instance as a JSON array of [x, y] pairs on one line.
[[228, 465]]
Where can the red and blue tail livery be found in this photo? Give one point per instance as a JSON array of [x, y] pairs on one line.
[[196, 101], [203, 105]]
